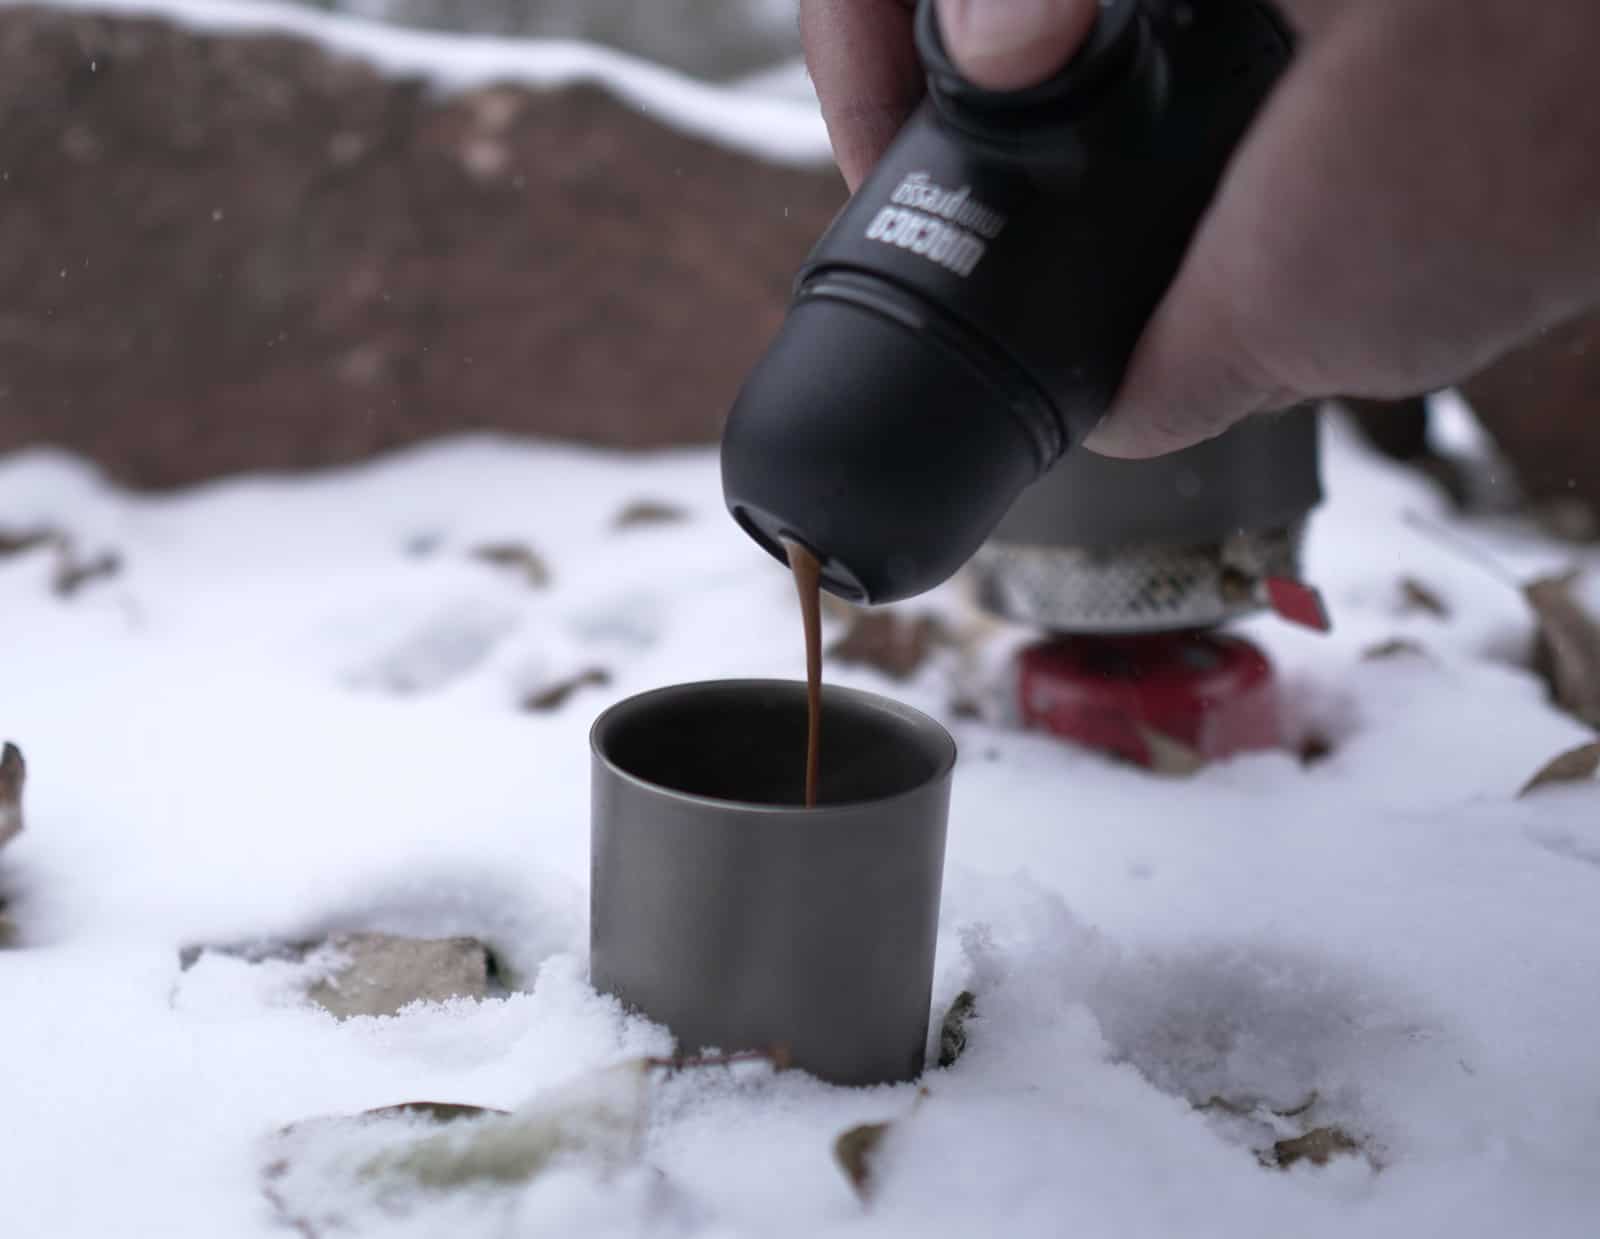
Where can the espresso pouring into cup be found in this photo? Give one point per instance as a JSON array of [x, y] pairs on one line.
[[967, 318]]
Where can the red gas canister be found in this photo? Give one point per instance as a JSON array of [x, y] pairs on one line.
[[1212, 693]]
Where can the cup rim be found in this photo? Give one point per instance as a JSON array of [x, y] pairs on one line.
[[919, 721]]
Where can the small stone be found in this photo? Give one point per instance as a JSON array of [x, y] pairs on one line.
[[382, 973]]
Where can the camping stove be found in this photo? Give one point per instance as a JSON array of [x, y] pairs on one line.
[[1132, 566]]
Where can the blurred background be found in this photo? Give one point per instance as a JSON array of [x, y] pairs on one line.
[[718, 39], [243, 249]]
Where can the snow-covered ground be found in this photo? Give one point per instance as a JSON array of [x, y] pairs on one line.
[[296, 708]]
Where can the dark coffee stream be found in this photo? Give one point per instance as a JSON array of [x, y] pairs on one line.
[[808, 584]]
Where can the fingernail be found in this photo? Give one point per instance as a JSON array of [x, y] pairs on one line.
[[1119, 435]]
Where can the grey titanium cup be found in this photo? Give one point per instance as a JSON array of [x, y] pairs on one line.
[[723, 908], [968, 316]]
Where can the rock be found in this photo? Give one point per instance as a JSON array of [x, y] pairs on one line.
[[385, 973], [1541, 406], [310, 262], [1541, 403], [371, 973]]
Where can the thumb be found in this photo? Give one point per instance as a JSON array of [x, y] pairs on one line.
[[1012, 44], [1193, 374]]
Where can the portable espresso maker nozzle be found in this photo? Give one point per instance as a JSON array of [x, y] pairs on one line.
[[968, 317]]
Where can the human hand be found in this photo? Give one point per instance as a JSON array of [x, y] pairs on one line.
[[1420, 195]]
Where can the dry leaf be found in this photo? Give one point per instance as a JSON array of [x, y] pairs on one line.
[[20, 541], [967, 709], [1165, 755], [1416, 596], [1255, 1106], [882, 639], [438, 1111], [358, 1174], [1240, 1109], [854, 1150], [515, 557], [953, 1031], [72, 573], [1300, 1108], [1318, 1146], [1574, 766], [311, 1190], [1314, 748], [554, 696], [13, 773], [1568, 649], [1398, 647], [649, 512], [599, 1117]]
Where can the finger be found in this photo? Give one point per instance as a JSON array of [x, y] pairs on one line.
[[1011, 44], [1356, 249], [864, 65], [1205, 358], [1193, 374]]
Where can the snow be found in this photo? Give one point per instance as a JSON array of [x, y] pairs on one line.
[[775, 119], [214, 759], [295, 711]]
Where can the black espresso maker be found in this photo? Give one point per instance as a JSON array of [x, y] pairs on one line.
[[965, 322]]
